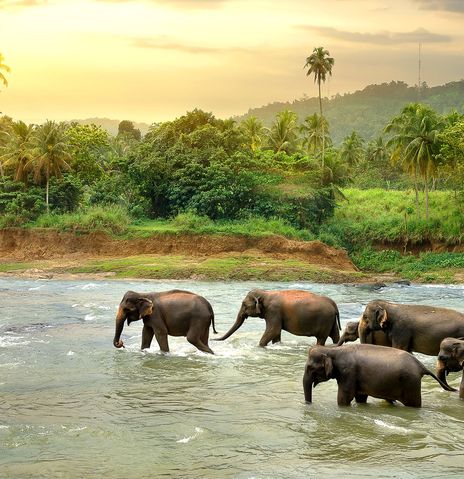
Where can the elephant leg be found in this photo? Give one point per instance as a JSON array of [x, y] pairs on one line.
[[344, 396], [205, 337], [193, 338], [147, 336], [162, 339], [277, 339], [269, 334], [361, 398], [321, 340]]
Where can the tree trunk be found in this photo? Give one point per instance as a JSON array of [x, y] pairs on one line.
[[322, 123], [417, 194], [46, 195], [426, 197]]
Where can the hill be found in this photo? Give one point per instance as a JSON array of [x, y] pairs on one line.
[[367, 111], [111, 126]]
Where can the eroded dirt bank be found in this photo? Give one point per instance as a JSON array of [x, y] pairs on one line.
[[17, 244]]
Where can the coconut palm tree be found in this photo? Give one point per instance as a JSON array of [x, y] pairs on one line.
[[319, 64], [315, 129], [416, 144], [254, 131], [16, 152], [283, 134], [5, 68], [50, 153], [351, 150]]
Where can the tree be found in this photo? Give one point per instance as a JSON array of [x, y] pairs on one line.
[[16, 153], [127, 128], [50, 153], [351, 150], [5, 68], [416, 144], [319, 64], [283, 132], [316, 133], [254, 131]]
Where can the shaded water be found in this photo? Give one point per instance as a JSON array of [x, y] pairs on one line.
[[72, 406]]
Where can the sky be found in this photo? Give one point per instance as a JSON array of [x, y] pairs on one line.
[[153, 60]]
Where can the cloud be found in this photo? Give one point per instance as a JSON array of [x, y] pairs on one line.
[[180, 4], [441, 5], [164, 43], [4, 4], [381, 38]]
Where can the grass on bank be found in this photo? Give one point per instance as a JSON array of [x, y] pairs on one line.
[[381, 216]]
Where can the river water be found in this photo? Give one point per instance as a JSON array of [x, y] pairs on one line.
[[73, 406]]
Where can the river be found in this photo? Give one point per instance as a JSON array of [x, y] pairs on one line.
[[73, 406]]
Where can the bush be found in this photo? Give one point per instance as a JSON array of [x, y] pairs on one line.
[[110, 219]]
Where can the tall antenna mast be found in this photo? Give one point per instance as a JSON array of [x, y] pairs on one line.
[[419, 79]]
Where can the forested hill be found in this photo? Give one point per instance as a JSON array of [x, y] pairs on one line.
[[111, 126], [367, 111]]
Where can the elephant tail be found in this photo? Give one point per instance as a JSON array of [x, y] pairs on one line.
[[446, 387], [337, 315], [212, 318]]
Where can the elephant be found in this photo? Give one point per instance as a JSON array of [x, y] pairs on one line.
[[451, 359], [363, 370], [411, 327], [299, 312], [174, 313], [351, 333]]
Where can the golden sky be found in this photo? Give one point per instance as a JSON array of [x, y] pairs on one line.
[[152, 60]]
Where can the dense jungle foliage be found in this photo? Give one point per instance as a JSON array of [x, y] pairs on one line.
[[206, 169]]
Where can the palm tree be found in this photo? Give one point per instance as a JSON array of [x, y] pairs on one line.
[[50, 153], [351, 150], [254, 130], [5, 68], [416, 144], [17, 149], [319, 64], [376, 151], [283, 132], [316, 133]]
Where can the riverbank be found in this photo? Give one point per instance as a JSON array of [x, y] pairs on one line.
[[47, 253]]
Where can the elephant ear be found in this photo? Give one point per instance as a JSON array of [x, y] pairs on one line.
[[382, 317], [145, 307], [328, 366], [259, 304]]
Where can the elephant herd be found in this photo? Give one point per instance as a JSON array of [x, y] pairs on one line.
[[382, 366]]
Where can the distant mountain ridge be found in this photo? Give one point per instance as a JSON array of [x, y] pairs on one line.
[[369, 110], [111, 126]]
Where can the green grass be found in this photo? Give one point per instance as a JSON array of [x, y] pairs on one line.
[[382, 216], [214, 268], [108, 219], [426, 267]]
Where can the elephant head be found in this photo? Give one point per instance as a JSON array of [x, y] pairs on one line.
[[252, 305], [374, 318], [134, 306], [318, 369], [350, 333], [450, 357]]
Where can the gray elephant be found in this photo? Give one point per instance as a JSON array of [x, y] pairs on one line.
[[174, 313], [411, 327], [299, 312], [351, 334], [363, 370], [451, 359]]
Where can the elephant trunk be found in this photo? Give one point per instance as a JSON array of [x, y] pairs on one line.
[[363, 331], [238, 322], [308, 387], [120, 318], [441, 371], [342, 340]]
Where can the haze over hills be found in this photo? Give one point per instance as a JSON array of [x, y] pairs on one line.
[[367, 111]]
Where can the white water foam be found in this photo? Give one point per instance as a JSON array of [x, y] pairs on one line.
[[11, 341], [89, 317], [381, 423], [185, 440], [70, 353]]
